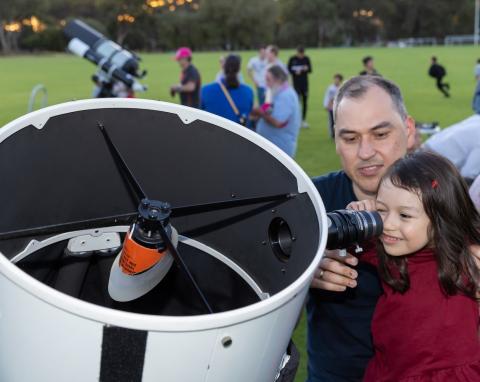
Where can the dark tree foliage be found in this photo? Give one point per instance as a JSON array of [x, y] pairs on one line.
[[236, 24]]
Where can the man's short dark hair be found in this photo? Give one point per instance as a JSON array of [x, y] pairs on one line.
[[278, 73], [300, 49], [339, 76], [356, 87], [434, 59], [366, 59]]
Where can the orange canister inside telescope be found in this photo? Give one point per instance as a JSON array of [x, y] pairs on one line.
[[136, 258]]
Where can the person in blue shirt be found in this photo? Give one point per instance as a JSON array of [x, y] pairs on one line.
[[280, 121], [215, 100], [372, 130]]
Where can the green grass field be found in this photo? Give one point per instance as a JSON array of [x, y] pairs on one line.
[[68, 78]]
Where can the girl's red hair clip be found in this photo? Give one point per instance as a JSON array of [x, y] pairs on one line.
[[434, 184]]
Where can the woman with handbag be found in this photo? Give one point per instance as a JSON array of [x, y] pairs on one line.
[[227, 97]]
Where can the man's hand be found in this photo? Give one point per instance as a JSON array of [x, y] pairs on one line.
[[335, 273]]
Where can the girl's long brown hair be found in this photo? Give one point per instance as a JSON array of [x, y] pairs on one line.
[[454, 223]]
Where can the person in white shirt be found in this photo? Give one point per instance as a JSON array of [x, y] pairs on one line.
[[256, 70], [330, 94], [460, 143], [271, 54]]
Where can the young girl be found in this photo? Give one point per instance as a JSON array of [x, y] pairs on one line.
[[425, 325]]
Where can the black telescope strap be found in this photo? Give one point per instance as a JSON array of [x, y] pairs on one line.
[[123, 354]]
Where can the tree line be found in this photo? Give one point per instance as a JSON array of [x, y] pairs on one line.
[[156, 25]]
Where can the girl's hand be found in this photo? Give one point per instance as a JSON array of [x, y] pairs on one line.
[[363, 205]]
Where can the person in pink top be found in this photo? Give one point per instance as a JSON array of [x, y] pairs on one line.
[[425, 325]]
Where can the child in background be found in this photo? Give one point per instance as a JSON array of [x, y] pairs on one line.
[[330, 94], [425, 325]]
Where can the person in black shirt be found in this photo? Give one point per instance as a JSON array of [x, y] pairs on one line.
[[190, 82], [437, 71], [299, 67], [369, 67], [372, 131]]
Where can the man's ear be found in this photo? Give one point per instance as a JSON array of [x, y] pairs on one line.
[[410, 123]]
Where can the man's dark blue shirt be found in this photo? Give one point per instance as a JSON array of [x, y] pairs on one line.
[[339, 336]]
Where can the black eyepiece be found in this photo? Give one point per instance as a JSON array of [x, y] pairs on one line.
[[347, 227]]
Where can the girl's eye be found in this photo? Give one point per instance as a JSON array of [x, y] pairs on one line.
[[405, 216]]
